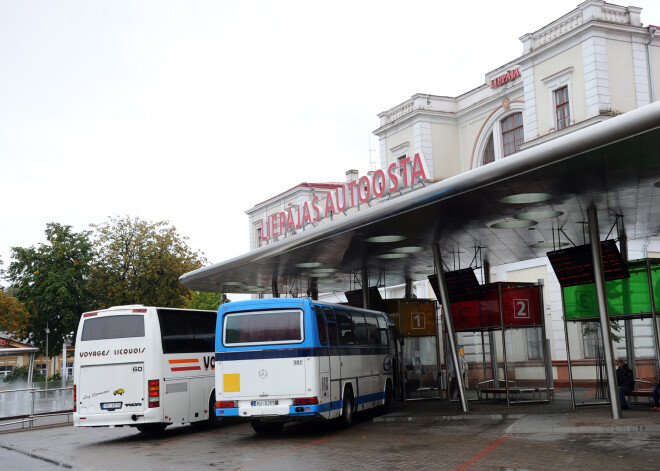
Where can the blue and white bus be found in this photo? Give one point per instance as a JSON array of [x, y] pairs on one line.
[[285, 359]]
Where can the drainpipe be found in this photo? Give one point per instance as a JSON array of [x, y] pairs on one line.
[[645, 248], [652, 30]]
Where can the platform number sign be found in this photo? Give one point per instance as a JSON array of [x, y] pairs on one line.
[[417, 320], [521, 309]]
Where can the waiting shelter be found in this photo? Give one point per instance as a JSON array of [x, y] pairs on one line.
[[633, 292]]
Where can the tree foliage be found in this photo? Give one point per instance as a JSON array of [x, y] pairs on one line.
[[51, 279], [14, 316], [20, 373], [204, 300], [139, 262]]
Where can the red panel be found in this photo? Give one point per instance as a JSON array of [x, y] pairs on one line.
[[520, 308]]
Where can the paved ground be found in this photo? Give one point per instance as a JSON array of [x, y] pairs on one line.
[[418, 435]]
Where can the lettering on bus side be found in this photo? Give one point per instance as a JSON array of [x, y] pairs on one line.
[[129, 351], [209, 362], [98, 353]]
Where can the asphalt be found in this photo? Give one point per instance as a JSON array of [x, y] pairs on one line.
[[558, 416]]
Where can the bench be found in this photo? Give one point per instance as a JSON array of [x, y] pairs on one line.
[[485, 389], [641, 392]]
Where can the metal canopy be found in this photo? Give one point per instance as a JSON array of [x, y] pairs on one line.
[[614, 165]]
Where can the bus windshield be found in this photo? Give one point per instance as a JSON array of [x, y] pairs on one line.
[[113, 327], [264, 327]]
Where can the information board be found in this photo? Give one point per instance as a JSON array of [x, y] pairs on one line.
[[462, 285], [574, 266]]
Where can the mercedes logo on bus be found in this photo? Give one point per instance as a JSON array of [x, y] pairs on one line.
[[263, 374]]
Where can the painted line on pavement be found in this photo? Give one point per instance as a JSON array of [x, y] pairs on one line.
[[474, 459]]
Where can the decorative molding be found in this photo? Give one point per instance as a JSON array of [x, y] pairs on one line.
[[591, 10]]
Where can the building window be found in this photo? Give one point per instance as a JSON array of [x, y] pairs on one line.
[[489, 152], [561, 108], [257, 242], [502, 134], [41, 368], [512, 134], [590, 339], [5, 370], [558, 87]]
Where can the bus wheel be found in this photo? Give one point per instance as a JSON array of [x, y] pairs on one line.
[[389, 398], [151, 428], [267, 427], [346, 418], [214, 420]]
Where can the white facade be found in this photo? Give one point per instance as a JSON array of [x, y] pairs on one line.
[[591, 64], [605, 61]]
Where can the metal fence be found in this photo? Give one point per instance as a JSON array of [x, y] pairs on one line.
[[25, 405]]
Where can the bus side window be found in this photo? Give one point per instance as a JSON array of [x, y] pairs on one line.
[[345, 326], [360, 329], [320, 324], [372, 330], [382, 328], [332, 326]]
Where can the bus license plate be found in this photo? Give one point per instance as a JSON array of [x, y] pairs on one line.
[[110, 405], [271, 402]]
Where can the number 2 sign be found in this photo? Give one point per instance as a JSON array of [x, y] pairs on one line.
[[521, 308]]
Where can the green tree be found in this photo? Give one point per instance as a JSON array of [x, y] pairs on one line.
[[21, 373], [139, 262], [204, 300], [51, 279]]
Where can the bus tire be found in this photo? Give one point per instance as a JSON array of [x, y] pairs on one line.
[[214, 421], [267, 427], [347, 408], [151, 428]]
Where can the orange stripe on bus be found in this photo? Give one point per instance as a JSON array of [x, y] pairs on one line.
[[186, 360]]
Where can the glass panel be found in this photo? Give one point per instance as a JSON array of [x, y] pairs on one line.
[[265, 327], [420, 370], [489, 151], [359, 329], [512, 134], [187, 331], [345, 326], [113, 327], [320, 325]]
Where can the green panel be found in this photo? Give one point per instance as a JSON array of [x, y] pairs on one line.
[[624, 297]]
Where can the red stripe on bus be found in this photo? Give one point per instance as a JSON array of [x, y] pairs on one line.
[[185, 368]]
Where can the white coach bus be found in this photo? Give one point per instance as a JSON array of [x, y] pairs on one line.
[[146, 367], [285, 359]]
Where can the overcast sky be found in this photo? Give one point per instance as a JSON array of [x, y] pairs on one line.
[[194, 111]]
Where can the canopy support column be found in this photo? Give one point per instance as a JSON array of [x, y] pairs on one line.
[[603, 314], [364, 274], [446, 311]]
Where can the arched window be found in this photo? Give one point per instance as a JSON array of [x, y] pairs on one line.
[[512, 134], [501, 136]]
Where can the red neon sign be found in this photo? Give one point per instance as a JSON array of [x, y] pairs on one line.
[[346, 196], [509, 76]]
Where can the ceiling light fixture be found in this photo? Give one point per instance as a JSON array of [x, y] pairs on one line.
[[386, 239], [518, 224], [526, 198], [535, 215]]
